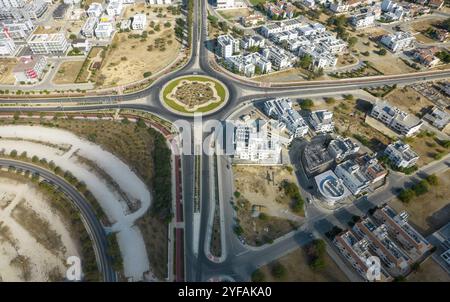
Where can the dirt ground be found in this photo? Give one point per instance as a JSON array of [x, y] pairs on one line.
[[130, 57], [262, 186], [430, 211], [429, 271], [6, 67], [409, 100], [298, 270], [67, 72], [234, 14], [426, 147]]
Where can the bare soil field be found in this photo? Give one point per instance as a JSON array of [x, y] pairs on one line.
[[430, 211], [234, 14], [262, 186], [298, 270], [35, 240], [408, 99], [426, 147], [429, 271], [6, 67], [67, 72], [131, 54]]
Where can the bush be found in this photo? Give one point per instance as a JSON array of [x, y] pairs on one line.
[[237, 194], [432, 179], [258, 276], [306, 104], [147, 74], [263, 216], [406, 195], [278, 270], [421, 188]]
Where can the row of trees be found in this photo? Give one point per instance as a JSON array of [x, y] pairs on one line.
[[422, 187]]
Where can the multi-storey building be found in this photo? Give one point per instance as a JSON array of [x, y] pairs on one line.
[[281, 109], [280, 58], [104, 30], [341, 148], [370, 166], [401, 155], [227, 46], [95, 10], [257, 141], [89, 26], [159, 2], [48, 43], [22, 10], [396, 119], [398, 41], [353, 176], [252, 41], [437, 117], [114, 8], [7, 45], [397, 224], [17, 30], [321, 121], [30, 68], [139, 22]]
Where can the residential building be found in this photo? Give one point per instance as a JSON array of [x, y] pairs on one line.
[[280, 58], [220, 4], [371, 168], [321, 121], [159, 2], [252, 20], [398, 41], [436, 4], [426, 56], [227, 46], [437, 117], [81, 44], [104, 30], [114, 8], [401, 155], [309, 3], [71, 2], [281, 109], [340, 148], [48, 44], [363, 20], [60, 11], [315, 157], [249, 64], [397, 224], [7, 45], [388, 5], [280, 9], [353, 176], [339, 7], [95, 10], [30, 68], [89, 26], [252, 41], [17, 30], [396, 119], [257, 141], [382, 244], [139, 22], [22, 10], [331, 187]]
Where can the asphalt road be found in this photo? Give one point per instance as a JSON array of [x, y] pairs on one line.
[[92, 224]]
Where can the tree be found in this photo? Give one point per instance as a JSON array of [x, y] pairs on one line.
[[147, 74], [382, 52], [237, 194], [306, 104], [305, 61], [72, 36], [352, 41], [258, 276], [421, 188], [406, 195], [13, 153], [278, 270], [432, 179]]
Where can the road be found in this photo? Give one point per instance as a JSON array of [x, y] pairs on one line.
[[92, 224], [241, 259]]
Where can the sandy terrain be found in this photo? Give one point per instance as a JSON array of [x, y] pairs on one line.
[[234, 14], [22, 257], [115, 207], [130, 58], [408, 99], [429, 211], [298, 270], [67, 72], [262, 186], [429, 271], [6, 67]]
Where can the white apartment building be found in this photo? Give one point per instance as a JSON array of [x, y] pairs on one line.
[[139, 22], [226, 46], [362, 20], [257, 141], [401, 155], [413, 242], [104, 30], [71, 2], [227, 3], [252, 41], [22, 10], [280, 58], [340, 148], [398, 41], [321, 121], [439, 118], [388, 5], [396, 119], [89, 26], [7, 45], [48, 43], [159, 2], [281, 109], [95, 10], [11, 3], [30, 68], [247, 64], [114, 8], [17, 30], [352, 176], [382, 244]]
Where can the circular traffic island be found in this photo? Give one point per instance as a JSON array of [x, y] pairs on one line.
[[187, 95]]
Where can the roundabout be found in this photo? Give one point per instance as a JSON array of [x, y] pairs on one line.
[[187, 95]]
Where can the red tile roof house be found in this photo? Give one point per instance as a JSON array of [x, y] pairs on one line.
[[426, 56], [30, 68], [436, 4]]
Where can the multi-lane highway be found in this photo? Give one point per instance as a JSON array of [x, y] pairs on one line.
[[240, 260], [91, 222]]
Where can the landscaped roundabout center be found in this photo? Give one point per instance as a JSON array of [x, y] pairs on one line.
[[189, 94]]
